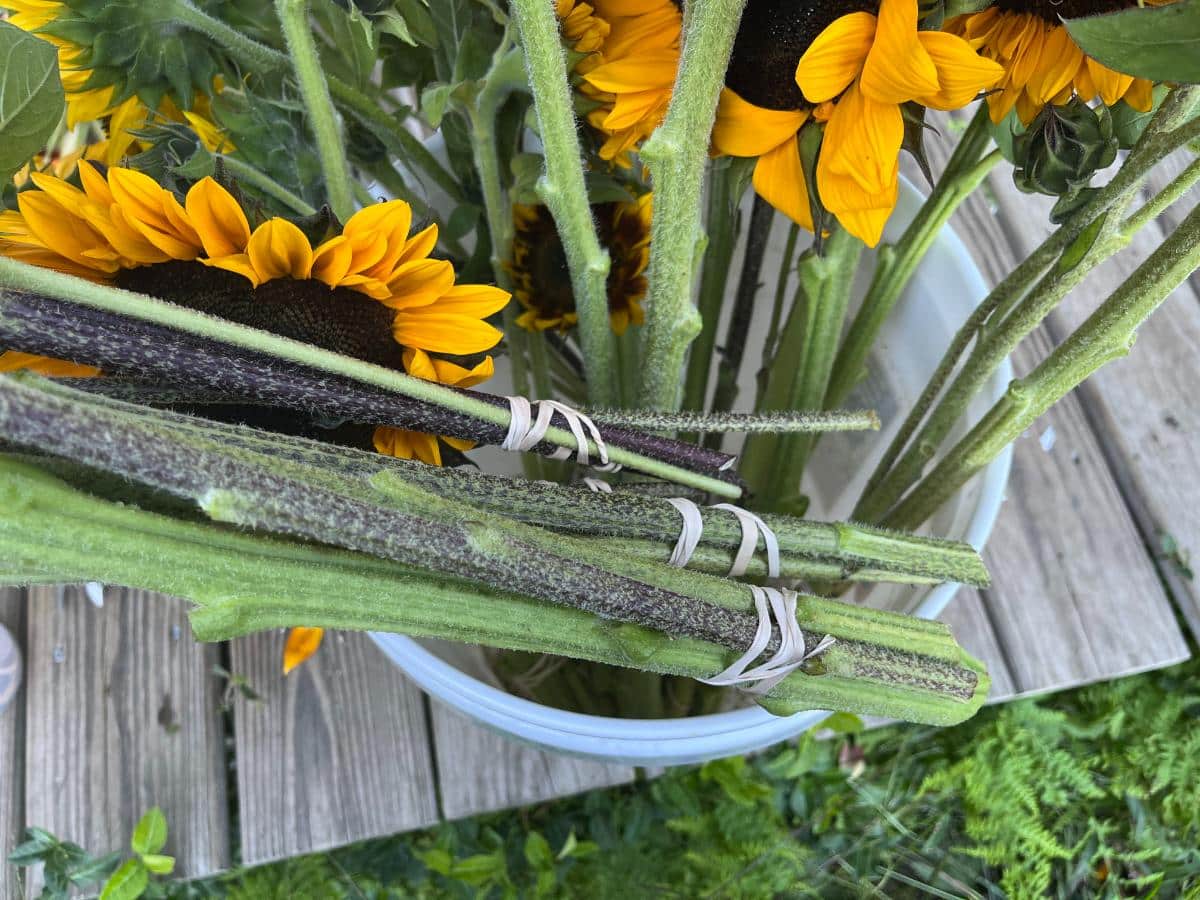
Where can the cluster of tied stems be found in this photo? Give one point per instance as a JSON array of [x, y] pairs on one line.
[[416, 554]]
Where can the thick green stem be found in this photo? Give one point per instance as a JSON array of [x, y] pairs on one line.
[[1092, 235], [310, 77], [882, 663], [1173, 192], [1106, 335], [677, 153], [564, 192], [773, 465], [36, 280], [247, 174], [897, 262], [721, 223]]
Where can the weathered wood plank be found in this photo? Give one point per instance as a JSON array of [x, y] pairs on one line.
[[123, 716], [1143, 407], [335, 752], [480, 771], [12, 751], [1067, 562]]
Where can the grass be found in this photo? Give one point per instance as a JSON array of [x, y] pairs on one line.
[[1089, 793]]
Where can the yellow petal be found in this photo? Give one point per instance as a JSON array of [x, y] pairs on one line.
[[1110, 85], [419, 283], [300, 645], [238, 263], [638, 73], [420, 244], [743, 129], [962, 73], [779, 179], [836, 57], [331, 260], [279, 249], [14, 360], [443, 332], [218, 219], [862, 140], [474, 300], [898, 69], [68, 236]]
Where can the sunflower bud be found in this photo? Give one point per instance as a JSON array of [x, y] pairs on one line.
[[1063, 148]]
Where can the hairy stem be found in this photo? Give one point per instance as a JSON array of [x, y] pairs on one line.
[[149, 309], [564, 192], [310, 77], [722, 224], [1107, 334], [677, 153], [897, 262]]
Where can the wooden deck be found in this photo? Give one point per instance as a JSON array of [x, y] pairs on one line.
[[121, 709]]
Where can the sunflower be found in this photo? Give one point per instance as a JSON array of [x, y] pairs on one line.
[[1042, 64], [539, 266], [630, 74], [368, 292], [89, 102], [854, 77]]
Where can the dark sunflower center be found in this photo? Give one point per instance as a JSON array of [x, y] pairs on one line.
[[540, 258], [771, 39], [1054, 10], [341, 320]]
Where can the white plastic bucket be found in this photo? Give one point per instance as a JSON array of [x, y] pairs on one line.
[[943, 292]]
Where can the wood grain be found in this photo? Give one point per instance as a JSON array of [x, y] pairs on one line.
[[1143, 407], [12, 752], [480, 770], [336, 752], [122, 716], [1067, 562]]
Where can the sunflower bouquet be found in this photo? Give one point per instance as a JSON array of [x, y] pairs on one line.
[[256, 262]]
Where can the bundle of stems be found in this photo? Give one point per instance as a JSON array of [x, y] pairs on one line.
[[488, 579]]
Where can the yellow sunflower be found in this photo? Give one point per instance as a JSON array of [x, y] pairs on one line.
[[630, 74], [1042, 64], [542, 283], [368, 289], [89, 103], [854, 76]]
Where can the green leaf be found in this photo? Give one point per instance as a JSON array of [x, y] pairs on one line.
[[434, 100], [391, 22], [159, 864], [843, 723], [150, 833], [1074, 254], [481, 869], [537, 851], [90, 871], [1161, 43], [127, 883], [1128, 123], [31, 97]]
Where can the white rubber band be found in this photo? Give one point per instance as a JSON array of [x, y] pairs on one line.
[[774, 606], [752, 527], [525, 431], [598, 485], [689, 534]]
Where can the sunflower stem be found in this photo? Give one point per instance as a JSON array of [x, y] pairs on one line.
[[762, 217], [722, 224], [529, 374], [563, 190], [1107, 334], [1014, 309], [677, 153], [879, 658], [966, 169], [314, 91], [773, 465], [33, 279], [248, 174], [771, 341]]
